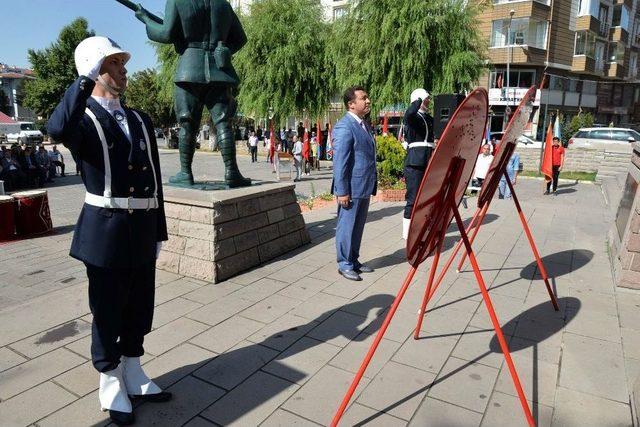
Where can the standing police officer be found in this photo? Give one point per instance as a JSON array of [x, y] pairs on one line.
[[122, 222], [418, 137]]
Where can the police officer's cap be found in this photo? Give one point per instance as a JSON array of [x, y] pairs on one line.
[[419, 93]]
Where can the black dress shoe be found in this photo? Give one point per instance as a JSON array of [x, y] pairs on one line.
[[122, 418], [350, 274], [364, 269], [163, 396]]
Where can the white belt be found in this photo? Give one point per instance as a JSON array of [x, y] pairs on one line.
[[422, 144], [121, 202]]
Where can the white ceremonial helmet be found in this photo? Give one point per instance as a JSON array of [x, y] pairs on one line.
[[93, 50], [419, 94]]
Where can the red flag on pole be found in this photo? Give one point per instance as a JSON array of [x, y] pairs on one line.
[[546, 168], [385, 124], [272, 142], [306, 147], [319, 134]]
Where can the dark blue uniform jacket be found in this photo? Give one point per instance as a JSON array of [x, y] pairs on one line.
[[111, 238]]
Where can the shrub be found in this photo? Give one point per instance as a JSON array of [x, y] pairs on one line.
[[390, 161], [582, 120]]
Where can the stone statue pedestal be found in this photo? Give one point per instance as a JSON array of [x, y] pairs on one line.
[[214, 235]]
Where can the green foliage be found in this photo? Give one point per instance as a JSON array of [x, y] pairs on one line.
[[142, 93], [326, 196], [390, 160], [576, 175], [54, 68], [283, 65], [394, 46], [582, 120]]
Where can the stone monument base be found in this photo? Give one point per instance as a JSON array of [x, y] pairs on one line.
[[214, 235]]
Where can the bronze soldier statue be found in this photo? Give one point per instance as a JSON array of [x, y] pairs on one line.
[[205, 33]]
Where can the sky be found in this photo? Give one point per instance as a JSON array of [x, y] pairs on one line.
[[36, 24]]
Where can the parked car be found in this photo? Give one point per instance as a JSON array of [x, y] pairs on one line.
[[611, 139], [522, 140]]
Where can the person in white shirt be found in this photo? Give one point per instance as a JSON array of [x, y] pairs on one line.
[[56, 160], [297, 157], [253, 147], [482, 165]]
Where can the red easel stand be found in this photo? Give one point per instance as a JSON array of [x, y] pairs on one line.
[[450, 200], [527, 231]]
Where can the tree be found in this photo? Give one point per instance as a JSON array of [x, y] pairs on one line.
[[144, 93], [54, 68], [395, 46], [283, 66]]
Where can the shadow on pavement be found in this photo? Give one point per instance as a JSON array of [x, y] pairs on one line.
[[559, 263], [534, 326], [229, 370]]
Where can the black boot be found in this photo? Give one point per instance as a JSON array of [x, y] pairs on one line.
[[187, 146], [232, 175], [122, 418]]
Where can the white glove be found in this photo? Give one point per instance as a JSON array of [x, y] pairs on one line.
[[405, 144], [90, 70], [158, 247]]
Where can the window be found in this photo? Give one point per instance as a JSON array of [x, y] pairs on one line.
[[589, 87], [621, 135], [617, 13], [585, 44], [633, 64], [581, 134], [339, 12], [600, 134], [603, 17], [523, 31], [635, 35], [616, 52], [517, 78], [557, 83]]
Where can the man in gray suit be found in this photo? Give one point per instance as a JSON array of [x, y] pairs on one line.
[[354, 180]]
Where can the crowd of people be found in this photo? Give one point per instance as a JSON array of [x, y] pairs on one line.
[[25, 166]]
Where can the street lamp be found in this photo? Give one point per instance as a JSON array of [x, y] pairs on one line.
[[509, 53]]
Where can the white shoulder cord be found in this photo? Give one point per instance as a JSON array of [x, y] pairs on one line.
[[105, 154]]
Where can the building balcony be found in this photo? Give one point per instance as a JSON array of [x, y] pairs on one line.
[[585, 64], [588, 23], [523, 9], [619, 34], [520, 54], [615, 71]]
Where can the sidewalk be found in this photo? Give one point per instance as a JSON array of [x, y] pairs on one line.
[[278, 346]]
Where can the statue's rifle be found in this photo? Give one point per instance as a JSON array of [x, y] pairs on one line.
[[131, 5]]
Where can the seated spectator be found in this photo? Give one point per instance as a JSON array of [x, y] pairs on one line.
[[44, 163], [11, 172], [482, 165], [36, 176], [57, 160]]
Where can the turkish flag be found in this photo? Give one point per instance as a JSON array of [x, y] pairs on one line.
[[547, 163], [272, 143], [306, 147]]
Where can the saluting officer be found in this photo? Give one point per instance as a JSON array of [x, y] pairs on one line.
[[418, 137], [122, 223]]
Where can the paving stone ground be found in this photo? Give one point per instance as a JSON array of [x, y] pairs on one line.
[[279, 345]]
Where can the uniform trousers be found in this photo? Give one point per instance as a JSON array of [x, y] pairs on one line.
[[413, 177], [349, 231], [121, 301]]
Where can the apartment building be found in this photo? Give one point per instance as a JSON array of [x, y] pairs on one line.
[[332, 8], [588, 48]]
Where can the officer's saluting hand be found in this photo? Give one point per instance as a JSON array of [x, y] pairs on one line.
[[122, 223]]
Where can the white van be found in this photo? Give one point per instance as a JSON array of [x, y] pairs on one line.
[[610, 139], [21, 132]]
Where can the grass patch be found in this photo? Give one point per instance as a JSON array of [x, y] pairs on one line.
[[578, 176]]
